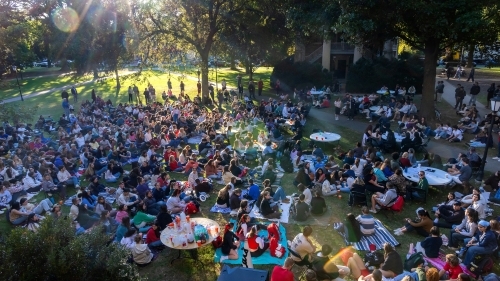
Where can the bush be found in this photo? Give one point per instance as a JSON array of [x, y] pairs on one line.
[[54, 252], [367, 76], [300, 75]]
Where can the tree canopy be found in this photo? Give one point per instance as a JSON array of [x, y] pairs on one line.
[[432, 26]]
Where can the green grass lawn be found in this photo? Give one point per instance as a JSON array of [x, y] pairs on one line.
[[323, 231]]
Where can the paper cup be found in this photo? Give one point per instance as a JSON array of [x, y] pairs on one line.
[[198, 243]]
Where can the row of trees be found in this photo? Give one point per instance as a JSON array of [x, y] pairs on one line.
[[105, 33]]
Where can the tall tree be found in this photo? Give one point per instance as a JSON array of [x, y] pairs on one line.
[[195, 23], [258, 34], [432, 26]]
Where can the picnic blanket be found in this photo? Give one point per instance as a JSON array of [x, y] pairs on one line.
[[216, 209], [284, 208], [440, 261], [265, 258], [381, 236], [195, 140]]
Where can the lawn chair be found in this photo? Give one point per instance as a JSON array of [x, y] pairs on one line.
[[357, 198]]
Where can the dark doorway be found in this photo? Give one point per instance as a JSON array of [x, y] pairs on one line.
[[341, 69]]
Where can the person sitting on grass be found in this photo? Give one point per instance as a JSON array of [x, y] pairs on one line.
[[174, 204], [230, 243], [141, 254], [234, 200], [318, 205], [303, 247], [223, 197], [325, 268], [451, 269], [431, 244], [366, 222], [256, 244], [301, 209], [465, 230], [265, 207], [393, 264], [384, 200], [422, 226], [141, 218]]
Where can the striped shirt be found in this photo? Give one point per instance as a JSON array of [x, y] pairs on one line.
[[367, 224]]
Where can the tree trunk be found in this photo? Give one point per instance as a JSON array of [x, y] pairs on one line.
[[96, 74], [204, 77], [232, 65], [470, 59], [117, 79], [430, 52]]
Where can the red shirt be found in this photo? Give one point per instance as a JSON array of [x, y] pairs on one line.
[[453, 272], [167, 154], [281, 274], [151, 236]]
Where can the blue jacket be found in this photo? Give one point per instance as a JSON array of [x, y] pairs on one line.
[[254, 191], [488, 241]]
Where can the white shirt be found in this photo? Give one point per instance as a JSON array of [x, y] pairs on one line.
[[80, 141], [458, 134], [308, 195]]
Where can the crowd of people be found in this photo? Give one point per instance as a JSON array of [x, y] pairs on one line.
[[178, 135]]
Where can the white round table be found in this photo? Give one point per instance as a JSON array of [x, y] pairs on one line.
[[374, 108], [325, 137], [382, 92], [317, 92], [191, 247], [434, 176]]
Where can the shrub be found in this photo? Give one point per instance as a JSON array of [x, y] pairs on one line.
[[54, 252], [367, 76]]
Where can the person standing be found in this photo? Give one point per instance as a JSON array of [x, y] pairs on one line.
[[474, 91], [94, 96], [260, 86], [64, 95], [198, 86], [198, 72], [459, 96], [75, 94], [458, 74], [211, 92], [136, 92], [220, 97], [251, 90], [439, 91], [65, 106], [471, 74], [351, 107], [182, 87], [224, 84], [169, 84], [490, 94], [146, 95], [130, 94], [448, 72]]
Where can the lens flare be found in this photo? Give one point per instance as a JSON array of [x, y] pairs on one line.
[[65, 19]]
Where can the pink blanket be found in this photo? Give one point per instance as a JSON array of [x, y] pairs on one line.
[[439, 263]]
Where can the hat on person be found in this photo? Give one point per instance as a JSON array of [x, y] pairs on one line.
[[483, 223], [457, 204]]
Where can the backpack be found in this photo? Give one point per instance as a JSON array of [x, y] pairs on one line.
[[480, 265], [374, 258], [217, 243], [273, 231], [191, 208], [413, 261], [398, 205], [275, 248]]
